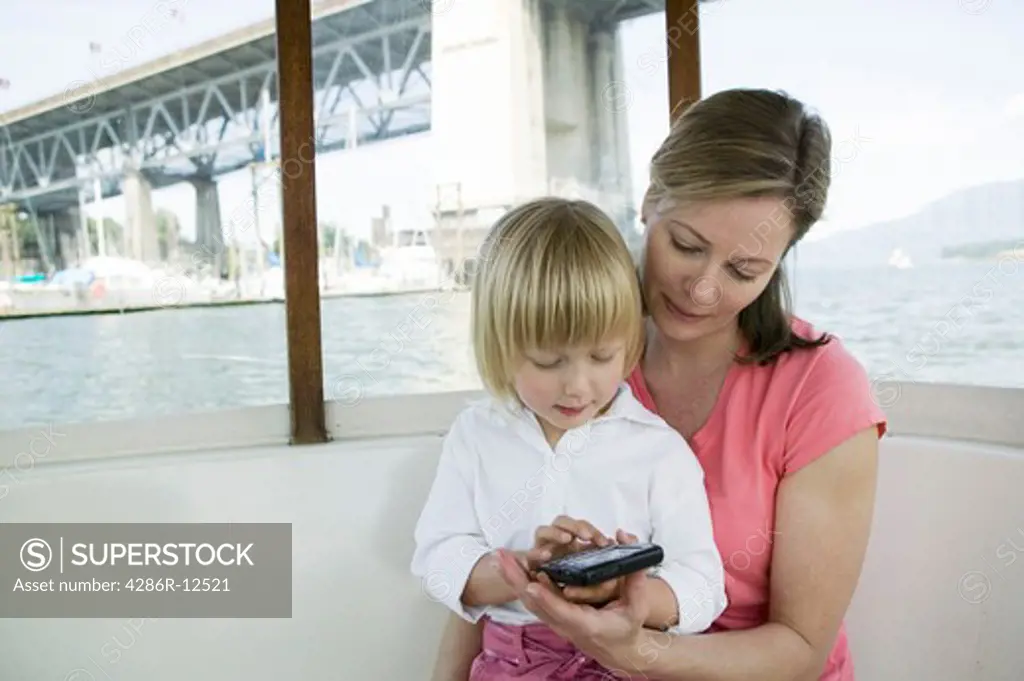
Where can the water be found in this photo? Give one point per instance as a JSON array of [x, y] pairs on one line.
[[953, 323]]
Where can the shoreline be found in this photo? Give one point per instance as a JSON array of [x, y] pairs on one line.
[[987, 258], [128, 309], [233, 302]]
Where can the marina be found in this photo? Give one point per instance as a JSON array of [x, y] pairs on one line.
[[406, 264]]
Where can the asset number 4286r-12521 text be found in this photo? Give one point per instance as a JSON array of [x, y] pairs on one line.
[[172, 584]]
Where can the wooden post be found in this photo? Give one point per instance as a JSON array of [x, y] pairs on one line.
[[682, 33], [299, 222]]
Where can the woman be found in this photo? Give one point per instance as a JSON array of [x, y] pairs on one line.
[[781, 417]]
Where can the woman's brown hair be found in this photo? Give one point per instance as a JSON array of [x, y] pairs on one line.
[[750, 143]]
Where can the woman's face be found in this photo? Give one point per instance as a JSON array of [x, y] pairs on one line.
[[704, 263]]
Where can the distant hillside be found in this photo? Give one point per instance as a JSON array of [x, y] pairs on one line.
[[982, 250], [978, 215]]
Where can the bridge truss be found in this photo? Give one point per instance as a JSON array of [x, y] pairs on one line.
[[372, 82], [214, 113]]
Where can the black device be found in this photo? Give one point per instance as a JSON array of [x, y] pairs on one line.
[[593, 566]]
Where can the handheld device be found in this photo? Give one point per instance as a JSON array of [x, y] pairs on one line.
[[594, 566]]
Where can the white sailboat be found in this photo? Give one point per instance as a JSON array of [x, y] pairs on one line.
[[900, 260]]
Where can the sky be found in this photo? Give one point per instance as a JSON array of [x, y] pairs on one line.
[[923, 96]]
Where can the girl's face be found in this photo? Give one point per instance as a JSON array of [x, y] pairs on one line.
[[566, 387], [704, 263]]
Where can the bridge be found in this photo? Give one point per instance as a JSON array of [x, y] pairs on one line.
[[514, 89]]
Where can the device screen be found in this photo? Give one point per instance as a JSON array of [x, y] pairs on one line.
[[588, 559]]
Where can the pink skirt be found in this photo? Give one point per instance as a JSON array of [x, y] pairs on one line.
[[533, 652]]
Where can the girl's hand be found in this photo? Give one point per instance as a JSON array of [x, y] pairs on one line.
[[563, 536]]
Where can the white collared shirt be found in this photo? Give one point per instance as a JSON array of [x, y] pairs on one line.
[[498, 480]]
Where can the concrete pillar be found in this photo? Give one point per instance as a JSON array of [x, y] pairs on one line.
[[140, 228], [487, 104], [568, 102], [209, 232], [546, 115], [70, 238], [611, 101], [586, 102], [68, 248], [84, 244]]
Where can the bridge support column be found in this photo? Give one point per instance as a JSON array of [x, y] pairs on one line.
[[141, 240], [70, 246], [490, 146], [586, 101], [209, 233], [547, 116]]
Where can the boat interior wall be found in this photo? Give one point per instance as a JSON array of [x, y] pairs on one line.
[[356, 610], [960, 412], [941, 594], [939, 598]]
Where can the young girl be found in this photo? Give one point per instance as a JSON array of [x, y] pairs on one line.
[[557, 327]]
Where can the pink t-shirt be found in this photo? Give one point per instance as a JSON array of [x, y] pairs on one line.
[[768, 422]]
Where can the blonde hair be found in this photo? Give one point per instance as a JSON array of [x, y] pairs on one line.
[[553, 273], [745, 143]]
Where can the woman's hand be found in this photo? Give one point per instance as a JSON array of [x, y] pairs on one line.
[[610, 634], [598, 594]]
